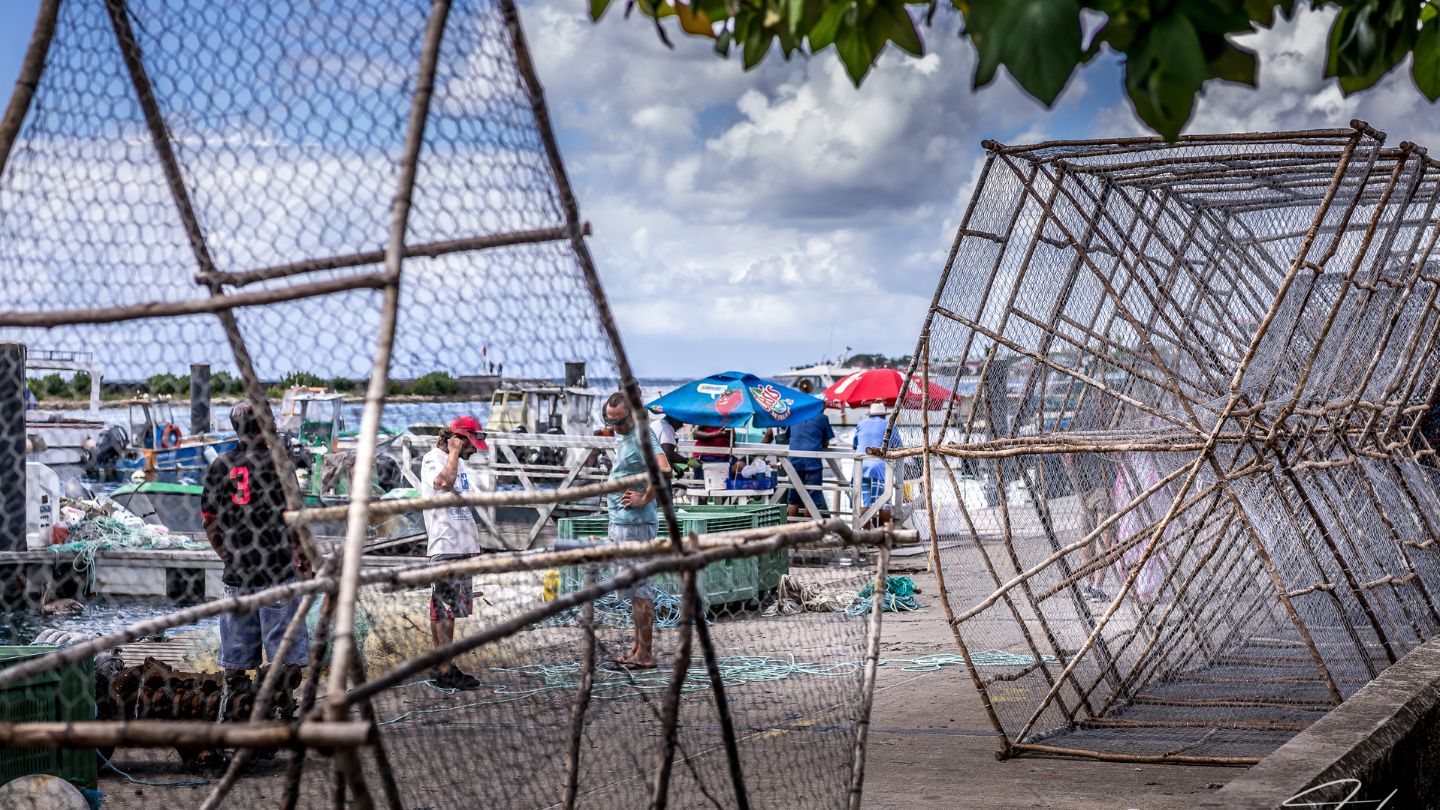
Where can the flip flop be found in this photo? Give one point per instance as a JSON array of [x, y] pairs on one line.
[[633, 665]]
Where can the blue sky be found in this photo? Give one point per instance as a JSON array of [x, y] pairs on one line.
[[762, 219]]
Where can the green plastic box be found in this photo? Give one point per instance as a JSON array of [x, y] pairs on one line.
[[720, 583], [770, 567], [62, 695]]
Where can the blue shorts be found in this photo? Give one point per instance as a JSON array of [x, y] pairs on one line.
[[630, 532], [242, 634], [871, 488], [812, 477]]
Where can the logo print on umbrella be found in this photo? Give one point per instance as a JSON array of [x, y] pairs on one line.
[[727, 402], [770, 400]]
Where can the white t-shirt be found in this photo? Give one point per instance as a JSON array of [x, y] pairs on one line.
[[451, 530], [664, 432]]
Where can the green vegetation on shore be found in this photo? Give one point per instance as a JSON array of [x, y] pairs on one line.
[[224, 384]]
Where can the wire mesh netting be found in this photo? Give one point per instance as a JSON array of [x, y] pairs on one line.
[[370, 527], [1189, 471]]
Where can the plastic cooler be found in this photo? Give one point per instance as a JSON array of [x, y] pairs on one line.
[[720, 583], [62, 695]]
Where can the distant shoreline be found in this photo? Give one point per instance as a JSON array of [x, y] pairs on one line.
[[348, 399]]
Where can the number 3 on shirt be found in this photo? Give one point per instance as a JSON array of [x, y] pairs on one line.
[[241, 477]]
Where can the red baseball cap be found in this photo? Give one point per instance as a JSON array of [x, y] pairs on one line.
[[468, 427]]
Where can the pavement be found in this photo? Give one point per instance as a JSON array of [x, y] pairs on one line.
[[931, 744]]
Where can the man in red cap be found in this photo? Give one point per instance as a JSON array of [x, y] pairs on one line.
[[453, 535]]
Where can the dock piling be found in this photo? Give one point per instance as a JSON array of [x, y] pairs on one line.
[[12, 446], [199, 398]]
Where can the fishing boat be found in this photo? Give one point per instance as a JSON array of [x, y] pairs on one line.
[[154, 448]]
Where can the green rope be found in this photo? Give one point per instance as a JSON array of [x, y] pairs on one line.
[[89, 538], [899, 597]]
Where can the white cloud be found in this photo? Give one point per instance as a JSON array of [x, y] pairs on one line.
[[759, 219]]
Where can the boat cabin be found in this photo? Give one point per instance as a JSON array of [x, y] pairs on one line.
[[544, 409], [312, 416], [152, 423]]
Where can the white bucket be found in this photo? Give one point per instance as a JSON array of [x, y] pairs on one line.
[[715, 474]]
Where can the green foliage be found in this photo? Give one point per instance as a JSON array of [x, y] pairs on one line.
[[342, 384], [168, 384], [80, 385], [54, 386], [222, 383], [878, 361], [301, 378], [436, 383], [1171, 48]]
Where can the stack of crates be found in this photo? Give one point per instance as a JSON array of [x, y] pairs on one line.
[[66, 694], [720, 583], [770, 566]]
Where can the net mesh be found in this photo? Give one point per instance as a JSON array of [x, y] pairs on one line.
[[308, 241], [1179, 455]]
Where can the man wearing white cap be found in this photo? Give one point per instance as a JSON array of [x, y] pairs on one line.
[[871, 433]]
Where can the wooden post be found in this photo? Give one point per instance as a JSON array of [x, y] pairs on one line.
[[199, 398], [12, 446]]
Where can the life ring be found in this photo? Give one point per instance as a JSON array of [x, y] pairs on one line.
[[170, 436]]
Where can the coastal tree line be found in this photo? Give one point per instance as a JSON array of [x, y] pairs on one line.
[[57, 387]]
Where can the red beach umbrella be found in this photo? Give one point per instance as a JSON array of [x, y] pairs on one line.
[[882, 385]]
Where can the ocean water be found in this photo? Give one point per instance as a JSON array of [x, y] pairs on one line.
[[397, 416]]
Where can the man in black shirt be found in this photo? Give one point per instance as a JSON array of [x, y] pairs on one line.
[[243, 506]]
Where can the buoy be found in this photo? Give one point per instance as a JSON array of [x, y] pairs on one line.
[[41, 791]]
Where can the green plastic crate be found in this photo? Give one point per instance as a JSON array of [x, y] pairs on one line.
[[723, 582], [770, 567], [692, 521], [66, 694], [720, 583]]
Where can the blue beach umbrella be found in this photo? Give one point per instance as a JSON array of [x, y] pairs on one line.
[[732, 398]]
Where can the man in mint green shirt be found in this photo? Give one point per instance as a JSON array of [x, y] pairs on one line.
[[633, 517]]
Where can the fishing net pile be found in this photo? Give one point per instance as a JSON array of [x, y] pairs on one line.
[[1192, 475], [368, 195]]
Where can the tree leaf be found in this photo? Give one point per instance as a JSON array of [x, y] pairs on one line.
[[854, 52], [597, 9], [1038, 41], [1363, 47], [823, 34], [757, 42], [900, 28], [1262, 12], [694, 21], [1426, 67], [1234, 64], [722, 43], [1164, 72]]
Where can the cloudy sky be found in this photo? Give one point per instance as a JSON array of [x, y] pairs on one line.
[[763, 219]]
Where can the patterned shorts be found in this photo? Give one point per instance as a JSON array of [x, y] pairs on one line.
[[451, 598]]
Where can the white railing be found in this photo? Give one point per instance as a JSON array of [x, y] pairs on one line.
[[545, 461]]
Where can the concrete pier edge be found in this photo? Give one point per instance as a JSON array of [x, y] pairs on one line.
[[1383, 742]]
